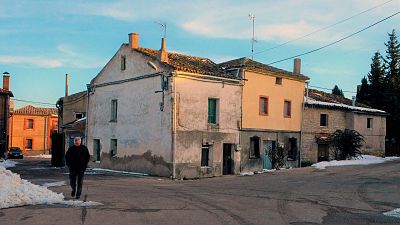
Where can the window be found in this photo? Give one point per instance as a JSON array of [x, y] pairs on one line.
[[292, 151], [264, 106], [96, 148], [29, 124], [287, 108], [205, 155], [323, 120], [79, 115], [114, 110], [369, 122], [28, 144], [113, 147], [123, 62], [254, 147], [213, 111], [278, 80]]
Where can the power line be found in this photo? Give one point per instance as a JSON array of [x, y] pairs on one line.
[[330, 89], [337, 41], [27, 101], [322, 29]]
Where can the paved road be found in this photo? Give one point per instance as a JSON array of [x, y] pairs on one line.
[[346, 195]]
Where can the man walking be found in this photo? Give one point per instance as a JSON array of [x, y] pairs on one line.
[[77, 158]]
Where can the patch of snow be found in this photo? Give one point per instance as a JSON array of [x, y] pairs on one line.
[[42, 156], [247, 174], [15, 191], [55, 184], [311, 101], [7, 163], [119, 171], [363, 160], [394, 213]]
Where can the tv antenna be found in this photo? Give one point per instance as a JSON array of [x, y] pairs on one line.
[[163, 26], [252, 17]]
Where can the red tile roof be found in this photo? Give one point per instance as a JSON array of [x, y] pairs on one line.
[[250, 64], [331, 98], [187, 63], [35, 111]]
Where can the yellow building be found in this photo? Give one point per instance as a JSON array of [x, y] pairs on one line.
[[31, 128], [272, 103]]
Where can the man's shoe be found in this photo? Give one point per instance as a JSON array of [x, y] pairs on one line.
[[78, 197], [72, 193]]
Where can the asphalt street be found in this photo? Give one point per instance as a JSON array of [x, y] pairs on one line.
[[342, 195]]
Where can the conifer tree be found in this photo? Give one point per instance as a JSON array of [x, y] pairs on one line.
[[337, 91]]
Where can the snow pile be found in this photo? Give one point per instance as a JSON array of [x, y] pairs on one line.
[[7, 163], [119, 171], [55, 184], [363, 160], [247, 174], [15, 191], [394, 213], [42, 156]]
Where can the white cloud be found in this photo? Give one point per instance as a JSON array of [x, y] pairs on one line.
[[31, 60]]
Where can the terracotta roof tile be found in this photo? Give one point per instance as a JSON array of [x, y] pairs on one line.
[[36, 111], [187, 63], [260, 67], [331, 98]]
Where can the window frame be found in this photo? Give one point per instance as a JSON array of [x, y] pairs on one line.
[[114, 107], [370, 122], [26, 144], [261, 97], [284, 108], [205, 162], [253, 152], [113, 152], [123, 62], [278, 80], [27, 124], [326, 120], [216, 122]]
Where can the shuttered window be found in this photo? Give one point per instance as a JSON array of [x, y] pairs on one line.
[[212, 111]]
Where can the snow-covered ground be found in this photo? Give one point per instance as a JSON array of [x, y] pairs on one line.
[[42, 156], [363, 160], [55, 184], [15, 191], [394, 213], [7, 163]]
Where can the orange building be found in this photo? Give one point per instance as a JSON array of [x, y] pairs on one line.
[[31, 128]]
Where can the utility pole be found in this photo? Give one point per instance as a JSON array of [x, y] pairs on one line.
[[252, 17]]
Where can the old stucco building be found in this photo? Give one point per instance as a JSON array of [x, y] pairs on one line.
[[325, 113], [271, 112], [163, 113]]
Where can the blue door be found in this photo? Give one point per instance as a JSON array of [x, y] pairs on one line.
[[268, 147]]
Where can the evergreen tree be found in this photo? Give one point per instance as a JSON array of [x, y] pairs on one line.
[[392, 61], [376, 78], [337, 91], [392, 95], [363, 92]]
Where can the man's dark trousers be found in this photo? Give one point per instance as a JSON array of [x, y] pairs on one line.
[[76, 180]]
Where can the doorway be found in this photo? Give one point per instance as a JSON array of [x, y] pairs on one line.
[[269, 146], [228, 163], [323, 152]]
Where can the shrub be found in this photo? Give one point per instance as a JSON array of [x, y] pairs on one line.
[[346, 144]]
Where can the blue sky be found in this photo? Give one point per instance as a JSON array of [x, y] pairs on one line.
[[42, 40]]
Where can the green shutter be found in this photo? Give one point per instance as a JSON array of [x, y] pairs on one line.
[[212, 111]]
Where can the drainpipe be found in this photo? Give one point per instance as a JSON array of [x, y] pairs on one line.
[[174, 126], [302, 123], [87, 114], [45, 135]]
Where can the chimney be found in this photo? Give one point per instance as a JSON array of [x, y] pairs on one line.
[[66, 84], [134, 40], [353, 100], [297, 66], [163, 54], [6, 81]]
